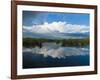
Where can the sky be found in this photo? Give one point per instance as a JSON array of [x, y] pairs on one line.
[[47, 24], [32, 17]]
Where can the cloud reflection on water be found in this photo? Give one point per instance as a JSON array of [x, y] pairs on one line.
[[57, 51]]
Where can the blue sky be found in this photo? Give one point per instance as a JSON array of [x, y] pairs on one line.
[[55, 25], [32, 17]]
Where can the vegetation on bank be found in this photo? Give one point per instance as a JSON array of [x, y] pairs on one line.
[[32, 42]]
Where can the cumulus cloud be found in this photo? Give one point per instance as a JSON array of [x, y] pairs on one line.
[[58, 27], [56, 51]]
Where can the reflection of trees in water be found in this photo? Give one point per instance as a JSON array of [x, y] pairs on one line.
[[56, 50], [51, 45]]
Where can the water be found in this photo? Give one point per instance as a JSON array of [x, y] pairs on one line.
[[54, 55]]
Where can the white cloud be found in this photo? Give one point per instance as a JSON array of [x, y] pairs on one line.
[[57, 27], [56, 51]]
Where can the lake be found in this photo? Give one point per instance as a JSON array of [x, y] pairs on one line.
[[54, 55]]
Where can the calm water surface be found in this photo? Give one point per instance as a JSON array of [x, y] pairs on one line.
[[53, 55]]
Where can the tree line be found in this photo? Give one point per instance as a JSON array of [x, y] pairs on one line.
[[32, 42]]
